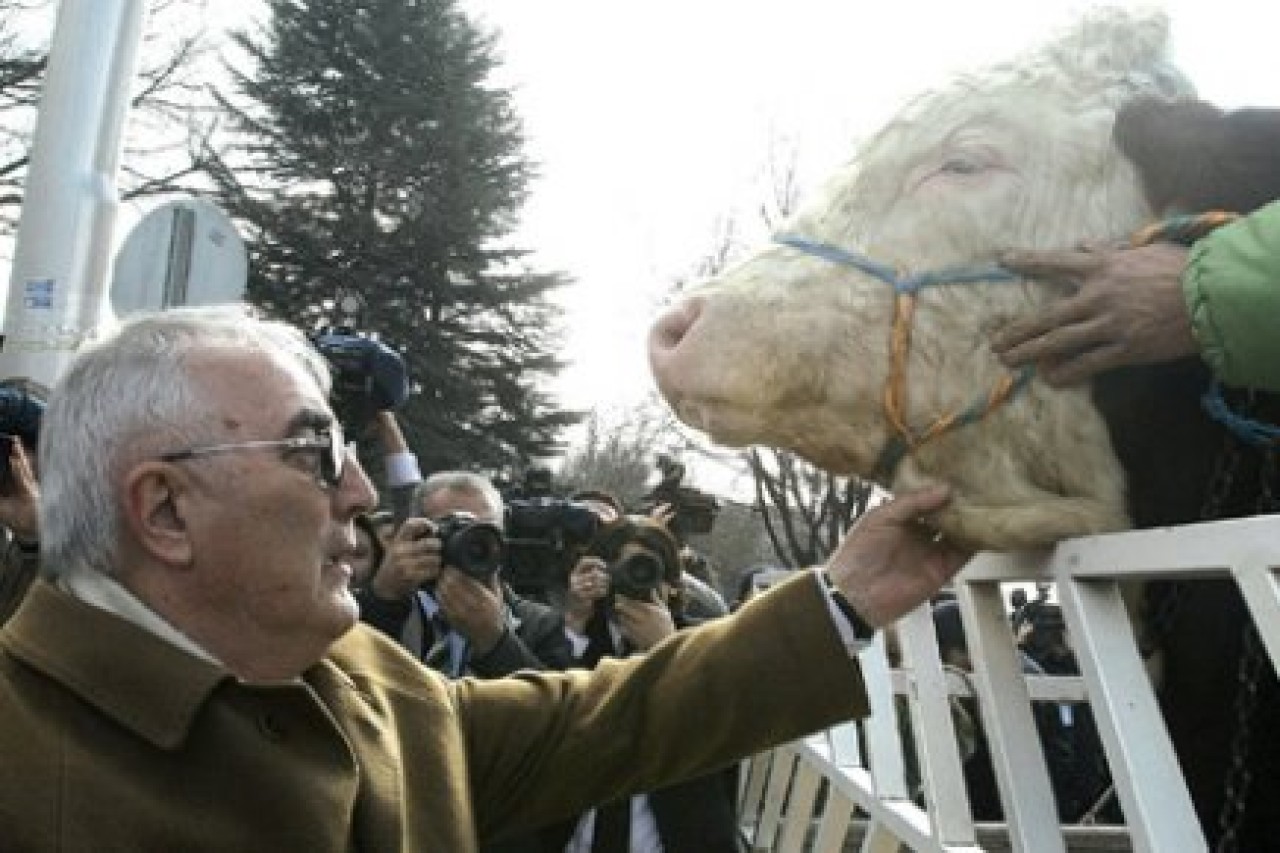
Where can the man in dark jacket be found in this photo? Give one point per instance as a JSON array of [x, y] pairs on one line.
[[625, 596], [468, 624], [463, 624]]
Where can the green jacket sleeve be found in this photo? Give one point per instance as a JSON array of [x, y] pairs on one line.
[[1232, 287]]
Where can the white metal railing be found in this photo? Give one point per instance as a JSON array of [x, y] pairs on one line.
[[808, 795]]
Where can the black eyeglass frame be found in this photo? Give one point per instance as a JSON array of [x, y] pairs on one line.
[[330, 466]]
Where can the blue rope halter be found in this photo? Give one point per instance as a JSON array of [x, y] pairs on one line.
[[909, 284], [903, 439]]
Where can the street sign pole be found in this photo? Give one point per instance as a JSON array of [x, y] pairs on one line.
[[62, 259]]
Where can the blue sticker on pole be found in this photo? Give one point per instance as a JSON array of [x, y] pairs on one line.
[[38, 293]]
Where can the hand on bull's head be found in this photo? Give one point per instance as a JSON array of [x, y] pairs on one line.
[[892, 560], [1127, 309]]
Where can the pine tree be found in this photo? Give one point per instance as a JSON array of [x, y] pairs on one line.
[[376, 160]]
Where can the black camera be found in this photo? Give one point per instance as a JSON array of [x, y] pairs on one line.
[[636, 576], [21, 412], [475, 548], [543, 535], [368, 375], [550, 520]]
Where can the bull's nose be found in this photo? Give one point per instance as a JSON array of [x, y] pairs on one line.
[[671, 327]]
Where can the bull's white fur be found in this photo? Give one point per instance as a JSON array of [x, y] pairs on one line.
[[791, 350]]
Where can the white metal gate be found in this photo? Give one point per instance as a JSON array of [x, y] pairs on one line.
[[807, 795]]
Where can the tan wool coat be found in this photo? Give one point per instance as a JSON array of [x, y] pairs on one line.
[[114, 740]]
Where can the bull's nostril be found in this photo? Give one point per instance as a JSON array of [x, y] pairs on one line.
[[675, 323]]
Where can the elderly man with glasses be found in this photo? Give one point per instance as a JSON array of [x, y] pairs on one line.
[[190, 674]]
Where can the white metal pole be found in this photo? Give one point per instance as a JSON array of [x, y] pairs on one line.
[[62, 259]]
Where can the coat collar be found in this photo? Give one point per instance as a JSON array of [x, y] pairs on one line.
[[158, 693]]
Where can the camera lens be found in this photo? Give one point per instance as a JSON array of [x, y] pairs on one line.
[[636, 576], [473, 547], [478, 549]]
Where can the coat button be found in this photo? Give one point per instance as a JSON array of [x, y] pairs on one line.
[[270, 726]]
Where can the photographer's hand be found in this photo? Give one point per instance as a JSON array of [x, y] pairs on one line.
[[643, 623], [890, 562], [475, 610], [412, 559], [387, 429], [664, 514], [20, 496]]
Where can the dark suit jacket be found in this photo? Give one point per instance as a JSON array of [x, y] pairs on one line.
[[114, 739], [697, 815], [535, 639]]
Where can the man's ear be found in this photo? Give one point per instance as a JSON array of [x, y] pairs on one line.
[[156, 511]]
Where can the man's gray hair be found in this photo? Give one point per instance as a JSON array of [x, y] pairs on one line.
[[130, 397], [459, 481]]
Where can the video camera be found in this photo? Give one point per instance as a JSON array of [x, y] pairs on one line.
[[543, 535], [21, 412], [368, 375]]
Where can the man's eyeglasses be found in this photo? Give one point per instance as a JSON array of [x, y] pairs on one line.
[[328, 446]]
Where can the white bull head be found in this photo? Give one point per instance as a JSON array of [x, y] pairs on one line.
[[791, 348]]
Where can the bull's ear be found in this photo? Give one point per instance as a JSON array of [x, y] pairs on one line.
[[1248, 170], [1173, 144], [1193, 157]]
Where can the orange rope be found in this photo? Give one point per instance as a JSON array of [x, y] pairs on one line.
[[895, 386], [1182, 229]]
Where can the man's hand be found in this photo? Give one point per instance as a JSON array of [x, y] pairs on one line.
[[20, 496], [890, 562], [473, 608], [387, 429], [412, 559], [664, 514], [643, 623], [1127, 309]]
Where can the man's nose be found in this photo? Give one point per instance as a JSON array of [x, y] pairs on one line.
[[355, 493]]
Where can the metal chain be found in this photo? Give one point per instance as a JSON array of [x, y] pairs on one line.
[[1239, 775], [1165, 600], [1252, 665], [1267, 482]]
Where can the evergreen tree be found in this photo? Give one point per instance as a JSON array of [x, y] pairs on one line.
[[376, 160]]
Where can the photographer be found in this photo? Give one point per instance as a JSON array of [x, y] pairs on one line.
[[625, 597], [21, 410], [458, 621]]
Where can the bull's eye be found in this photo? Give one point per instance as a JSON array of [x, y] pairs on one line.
[[961, 166]]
